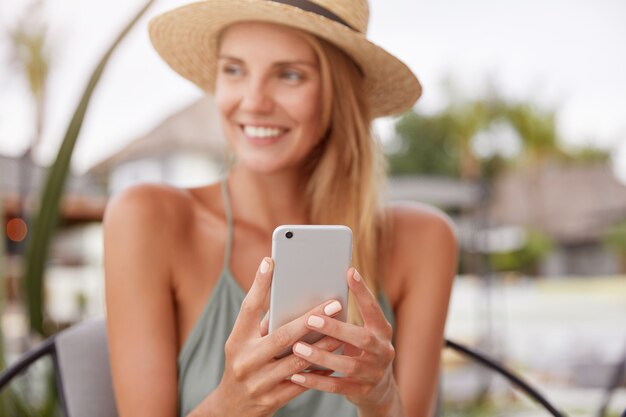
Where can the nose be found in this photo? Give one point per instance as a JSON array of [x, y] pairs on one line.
[[257, 97]]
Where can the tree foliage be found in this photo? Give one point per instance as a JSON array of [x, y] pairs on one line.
[[426, 146], [441, 143], [32, 57], [525, 259], [615, 238]]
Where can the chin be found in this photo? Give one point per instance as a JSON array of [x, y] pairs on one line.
[[261, 164], [265, 164]]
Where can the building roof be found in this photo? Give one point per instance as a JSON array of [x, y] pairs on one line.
[[573, 204], [446, 193], [196, 127], [21, 180]]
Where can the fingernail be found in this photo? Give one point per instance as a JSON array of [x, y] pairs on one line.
[[298, 378], [264, 266], [315, 321], [302, 349], [357, 276], [332, 308]]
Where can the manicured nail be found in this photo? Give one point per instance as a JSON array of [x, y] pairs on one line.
[[357, 276], [332, 308], [298, 378], [302, 349], [264, 266], [315, 321]]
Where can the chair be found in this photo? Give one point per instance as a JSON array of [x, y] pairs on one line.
[[81, 364], [80, 358], [514, 379]]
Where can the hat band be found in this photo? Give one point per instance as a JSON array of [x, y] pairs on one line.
[[308, 6]]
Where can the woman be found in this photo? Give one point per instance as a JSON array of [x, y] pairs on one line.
[[187, 272]]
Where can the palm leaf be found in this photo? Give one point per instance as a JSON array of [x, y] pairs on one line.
[[48, 216]]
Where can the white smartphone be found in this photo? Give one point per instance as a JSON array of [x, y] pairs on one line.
[[310, 265]]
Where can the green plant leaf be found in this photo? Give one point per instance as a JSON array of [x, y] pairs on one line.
[[46, 221]]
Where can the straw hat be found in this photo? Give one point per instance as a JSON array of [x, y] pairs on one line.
[[186, 38]]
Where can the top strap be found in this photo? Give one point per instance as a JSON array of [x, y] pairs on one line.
[[229, 221]]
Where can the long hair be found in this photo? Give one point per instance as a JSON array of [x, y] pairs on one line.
[[345, 172]]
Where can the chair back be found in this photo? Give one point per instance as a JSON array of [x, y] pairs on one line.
[[83, 371]]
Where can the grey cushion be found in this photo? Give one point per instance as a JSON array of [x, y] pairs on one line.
[[83, 360]]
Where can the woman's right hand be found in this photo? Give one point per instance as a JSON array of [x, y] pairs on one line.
[[254, 383]]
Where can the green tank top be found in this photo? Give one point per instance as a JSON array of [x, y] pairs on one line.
[[201, 359]]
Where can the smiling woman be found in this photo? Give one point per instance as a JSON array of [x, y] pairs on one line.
[[187, 273]]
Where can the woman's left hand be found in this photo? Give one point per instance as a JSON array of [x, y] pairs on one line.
[[367, 362]]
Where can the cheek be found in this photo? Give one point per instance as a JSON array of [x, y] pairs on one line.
[[226, 102], [312, 112], [306, 107], [225, 99]]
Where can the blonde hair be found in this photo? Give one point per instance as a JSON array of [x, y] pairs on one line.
[[346, 170]]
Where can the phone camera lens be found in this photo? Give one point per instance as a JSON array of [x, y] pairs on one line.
[[289, 235]]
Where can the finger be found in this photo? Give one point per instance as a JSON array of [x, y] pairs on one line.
[[332, 384], [329, 344], [252, 305], [283, 338], [273, 373], [347, 365], [371, 312], [357, 336], [286, 391], [265, 324], [283, 368]]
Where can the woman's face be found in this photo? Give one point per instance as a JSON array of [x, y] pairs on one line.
[[268, 91]]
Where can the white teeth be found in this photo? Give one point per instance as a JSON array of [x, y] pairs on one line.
[[262, 132]]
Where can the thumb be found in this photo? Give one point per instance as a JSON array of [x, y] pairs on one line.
[[253, 304]]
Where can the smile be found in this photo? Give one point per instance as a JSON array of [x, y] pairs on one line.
[[262, 132]]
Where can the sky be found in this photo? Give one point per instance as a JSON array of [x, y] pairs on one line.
[[563, 54]]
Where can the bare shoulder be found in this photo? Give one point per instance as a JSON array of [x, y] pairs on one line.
[[146, 201], [421, 225], [423, 247], [150, 209]]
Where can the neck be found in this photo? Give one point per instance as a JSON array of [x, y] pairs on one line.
[[266, 201]]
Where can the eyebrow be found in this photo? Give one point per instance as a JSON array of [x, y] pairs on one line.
[[275, 64]]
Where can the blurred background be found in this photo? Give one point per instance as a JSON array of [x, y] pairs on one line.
[[520, 136]]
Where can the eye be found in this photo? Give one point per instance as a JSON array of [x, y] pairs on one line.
[[232, 69], [292, 75]]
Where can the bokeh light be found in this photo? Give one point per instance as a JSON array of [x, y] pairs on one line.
[[17, 229]]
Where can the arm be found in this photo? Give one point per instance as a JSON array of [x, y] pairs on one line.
[[427, 250], [140, 310]]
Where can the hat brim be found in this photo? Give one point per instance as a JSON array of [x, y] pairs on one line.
[[186, 38]]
